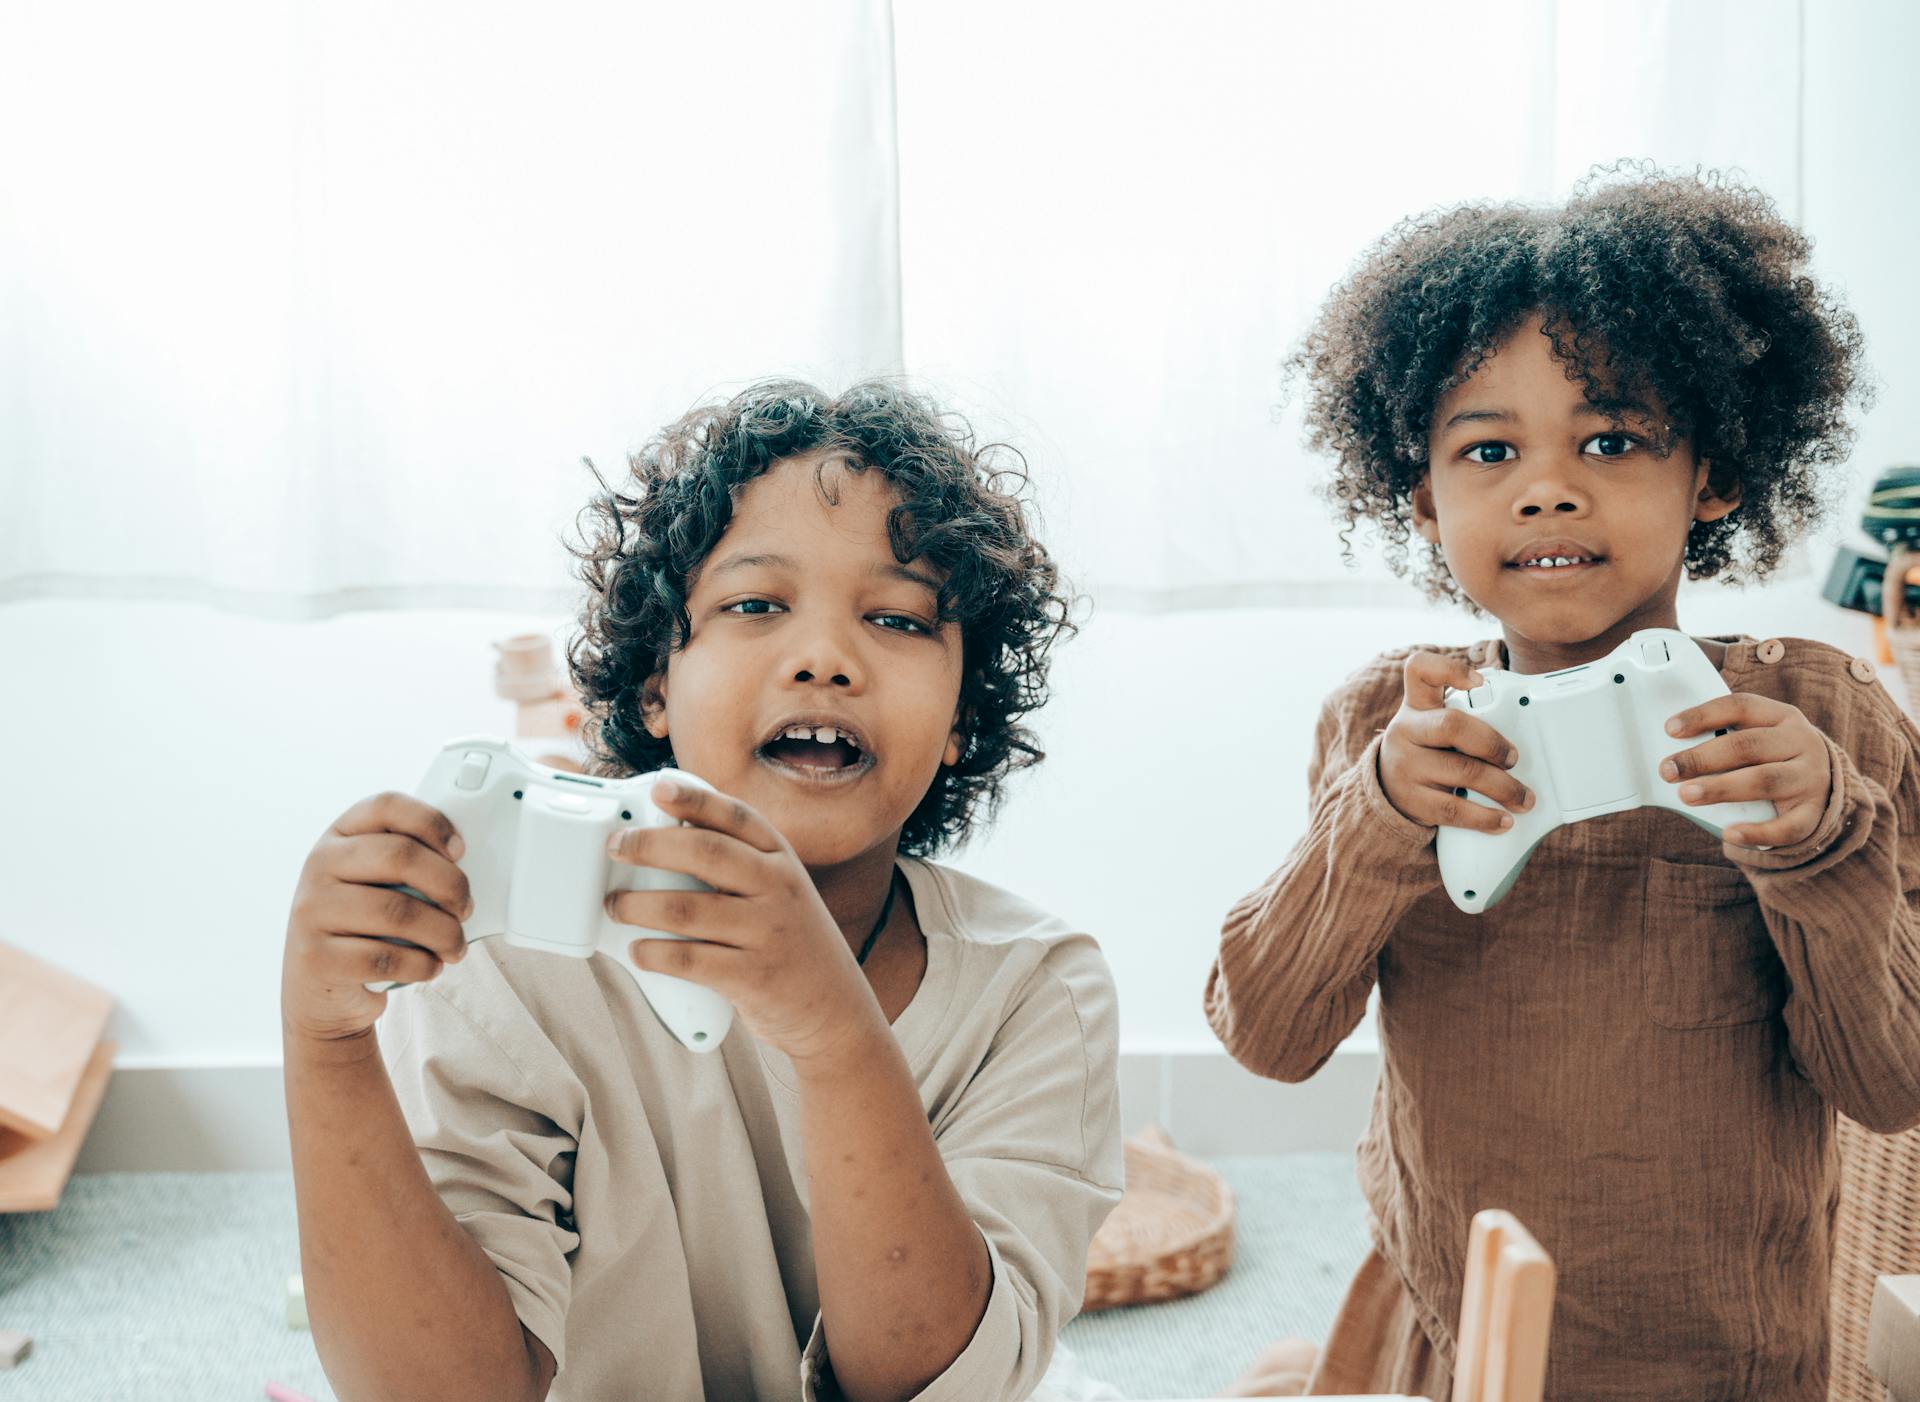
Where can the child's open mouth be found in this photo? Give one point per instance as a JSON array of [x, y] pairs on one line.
[[1559, 566], [816, 754]]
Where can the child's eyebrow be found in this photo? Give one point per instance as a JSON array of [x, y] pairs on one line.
[[1609, 410], [1478, 416], [781, 562], [1615, 409]]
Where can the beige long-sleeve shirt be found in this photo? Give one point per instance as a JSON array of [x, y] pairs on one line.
[[646, 1205], [1638, 1051]]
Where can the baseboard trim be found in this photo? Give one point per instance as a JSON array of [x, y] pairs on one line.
[[202, 1119]]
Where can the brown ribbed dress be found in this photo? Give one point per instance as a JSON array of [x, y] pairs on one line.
[[1639, 1051]]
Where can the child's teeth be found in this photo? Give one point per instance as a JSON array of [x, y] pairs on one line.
[[826, 735]]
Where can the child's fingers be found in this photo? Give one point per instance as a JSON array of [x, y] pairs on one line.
[[1738, 749], [1444, 731], [1742, 709], [1791, 826], [706, 809], [393, 859], [402, 813], [1456, 773], [711, 965], [1430, 675], [353, 959], [383, 913], [720, 860], [1451, 808], [699, 915], [1760, 781]]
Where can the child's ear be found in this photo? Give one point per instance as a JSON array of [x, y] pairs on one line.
[[957, 737], [1715, 495], [1425, 519], [653, 705]]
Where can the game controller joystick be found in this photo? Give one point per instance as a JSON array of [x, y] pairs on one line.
[[538, 870], [1590, 740]]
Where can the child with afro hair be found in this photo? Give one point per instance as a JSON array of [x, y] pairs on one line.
[[1640, 1051]]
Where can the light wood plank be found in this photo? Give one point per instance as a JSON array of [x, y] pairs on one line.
[[34, 1172], [50, 1021]]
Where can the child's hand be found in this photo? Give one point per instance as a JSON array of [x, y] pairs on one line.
[[762, 937], [347, 929], [1774, 752], [1431, 753]]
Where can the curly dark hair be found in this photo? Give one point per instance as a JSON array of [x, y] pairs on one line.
[[1691, 287], [961, 508]]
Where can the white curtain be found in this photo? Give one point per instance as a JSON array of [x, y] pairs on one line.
[[316, 304]]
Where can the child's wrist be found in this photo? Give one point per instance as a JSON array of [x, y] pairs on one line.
[[855, 1052], [311, 1049]]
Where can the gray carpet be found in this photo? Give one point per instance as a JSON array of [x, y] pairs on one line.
[[152, 1287]]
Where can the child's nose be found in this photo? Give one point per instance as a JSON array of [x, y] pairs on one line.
[[1549, 493], [822, 655]]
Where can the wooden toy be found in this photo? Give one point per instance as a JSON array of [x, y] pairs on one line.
[[1506, 1312], [34, 1172], [50, 1021], [296, 1302], [14, 1348], [546, 707]]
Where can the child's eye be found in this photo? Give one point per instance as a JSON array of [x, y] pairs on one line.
[[1490, 454], [751, 608], [1610, 445], [901, 623]]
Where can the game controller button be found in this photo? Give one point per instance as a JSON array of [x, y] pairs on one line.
[[473, 770], [1654, 653], [1861, 668], [1771, 651]]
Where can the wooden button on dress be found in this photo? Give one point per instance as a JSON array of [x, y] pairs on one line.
[[1771, 651]]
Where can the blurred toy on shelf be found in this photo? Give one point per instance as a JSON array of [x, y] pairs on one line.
[[1886, 587], [548, 715]]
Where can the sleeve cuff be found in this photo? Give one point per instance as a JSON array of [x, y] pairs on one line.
[[1825, 839], [982, 1369], [537, 1315]]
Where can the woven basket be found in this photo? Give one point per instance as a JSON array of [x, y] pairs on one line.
[[1878, 1230], [1172, 1233], [1878, 1233], [1903, 641]]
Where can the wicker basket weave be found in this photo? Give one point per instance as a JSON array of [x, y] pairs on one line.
[[1903, 641], [1878, 1233], [1172, 1233]]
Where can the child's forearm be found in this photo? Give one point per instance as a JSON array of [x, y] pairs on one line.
[[1296, 959], [1841, 914], [903, 1271], [402, 1302]]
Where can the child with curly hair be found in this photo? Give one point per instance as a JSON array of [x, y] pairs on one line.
[[884, 1183], [1641, 1050]]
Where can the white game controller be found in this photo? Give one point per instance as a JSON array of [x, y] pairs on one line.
[[1591, 739], [538, 869]]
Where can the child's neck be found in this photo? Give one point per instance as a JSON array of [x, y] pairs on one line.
[[855, 891], [1535, 655]]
